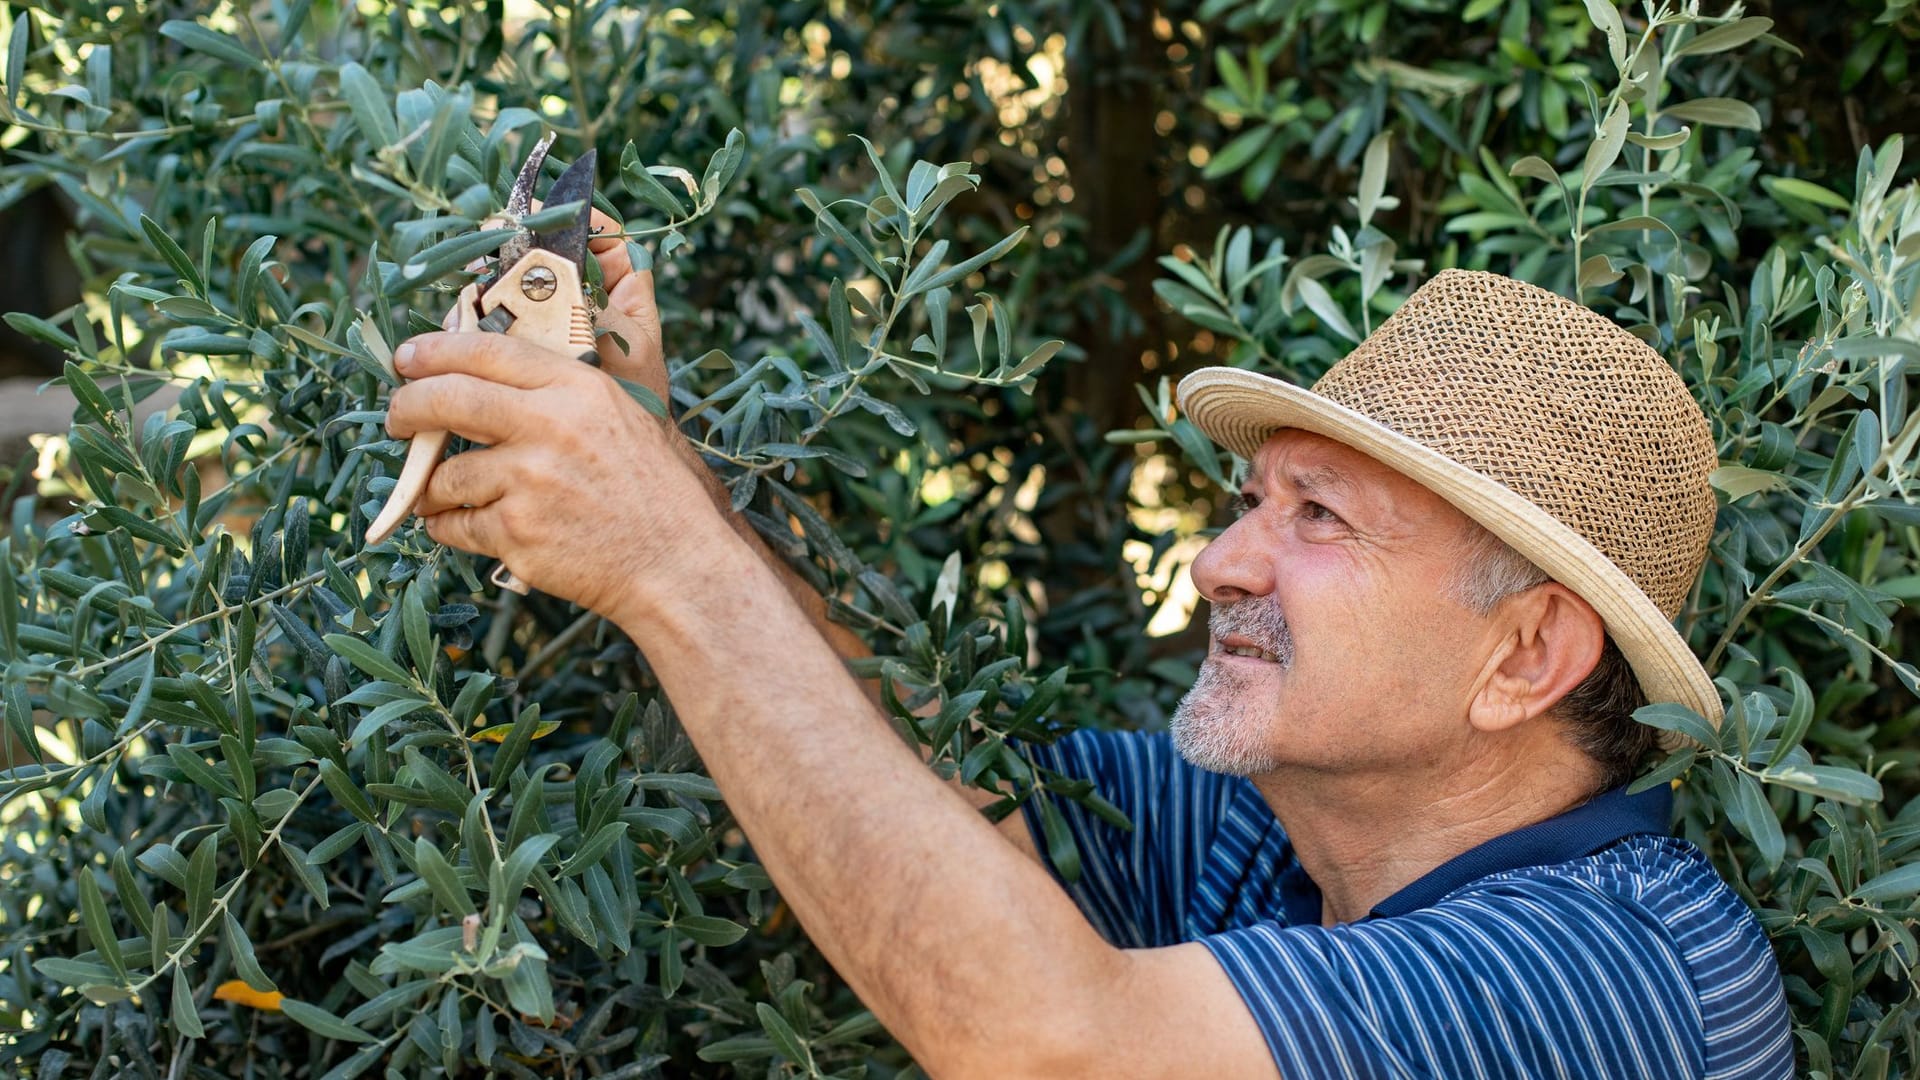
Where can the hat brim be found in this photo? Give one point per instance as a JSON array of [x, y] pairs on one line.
[[1240, 410]]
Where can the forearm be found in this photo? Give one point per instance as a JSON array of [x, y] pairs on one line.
[[842, 639], [954, 938]]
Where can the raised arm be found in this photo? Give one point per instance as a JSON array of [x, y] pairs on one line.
[[633, 314], [961, 944]]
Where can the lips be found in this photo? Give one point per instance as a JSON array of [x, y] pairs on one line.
[[1235, 645], [1253, 629]]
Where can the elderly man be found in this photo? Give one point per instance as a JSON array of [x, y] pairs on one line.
[[1387, 835]]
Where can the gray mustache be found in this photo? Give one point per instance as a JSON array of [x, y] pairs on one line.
[[1259, 620]]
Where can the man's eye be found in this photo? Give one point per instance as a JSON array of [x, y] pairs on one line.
[[1242, 503], [1313, 511]]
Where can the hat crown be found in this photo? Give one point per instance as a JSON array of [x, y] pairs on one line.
[[1555, 402]]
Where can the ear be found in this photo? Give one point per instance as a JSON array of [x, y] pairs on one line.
[[1550, 640]]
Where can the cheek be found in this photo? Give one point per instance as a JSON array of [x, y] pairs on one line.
[[1324, 595], [1372, 638]]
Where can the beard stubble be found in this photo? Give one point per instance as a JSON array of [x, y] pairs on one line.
[[1224, 724]]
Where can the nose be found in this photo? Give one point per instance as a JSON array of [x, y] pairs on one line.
[[1235, 566]]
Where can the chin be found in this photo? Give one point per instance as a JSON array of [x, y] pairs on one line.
[[1221, 727]]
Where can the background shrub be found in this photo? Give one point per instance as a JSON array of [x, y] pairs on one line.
[[451, 828]]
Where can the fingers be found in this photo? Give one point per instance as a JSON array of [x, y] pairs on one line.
[[464, 315], [637, 353], [470, 407], [474, 478], [609, 248], [606, 232], [475, 530], [634, 296], [615, 267], [629, 290], [631, 313], [494, 357]]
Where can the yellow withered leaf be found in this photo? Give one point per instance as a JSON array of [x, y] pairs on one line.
[[498, 732], [240, 993]]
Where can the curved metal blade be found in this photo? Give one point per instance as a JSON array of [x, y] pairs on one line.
[[576, 183], [520, 200]]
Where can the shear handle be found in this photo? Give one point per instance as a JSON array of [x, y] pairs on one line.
[[539, 300]]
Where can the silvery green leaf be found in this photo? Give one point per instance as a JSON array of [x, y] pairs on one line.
[[368, 100], [1726, 36], [181, 1010], [520, 863], [1899, 885], [93, 915], [593, 849], [381, 716], [641, 184], [1608, 140], [451, 254], [212, 42], [367, 658], [323, 1023], [75, 972], [1835, 782], [441, 877], [419, 632], [1373, 176], [176, 256], [788, 1041], [1321, 303], [1716, 112], [1606, 17], [1678, 718], [17, 48], [958, 271], [244, 962]]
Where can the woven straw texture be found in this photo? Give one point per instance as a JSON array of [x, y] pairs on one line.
[[1556, 402]]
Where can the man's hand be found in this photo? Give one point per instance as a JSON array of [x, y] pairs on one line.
[[579, 491], [631, 313]]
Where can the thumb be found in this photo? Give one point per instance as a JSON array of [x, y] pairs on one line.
[[608, 246], [631, 315], [633, 296]]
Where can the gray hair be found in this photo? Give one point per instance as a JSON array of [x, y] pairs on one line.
[[1598, 712]]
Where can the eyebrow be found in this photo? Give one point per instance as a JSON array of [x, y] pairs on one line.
[[1316, 481], [1321, 480]]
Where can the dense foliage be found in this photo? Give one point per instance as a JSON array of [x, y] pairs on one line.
[[278, 804]]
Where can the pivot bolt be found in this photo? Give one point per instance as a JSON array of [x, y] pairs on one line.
[[538, 283]]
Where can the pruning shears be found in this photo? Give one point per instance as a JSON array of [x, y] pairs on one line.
[[535, 292]]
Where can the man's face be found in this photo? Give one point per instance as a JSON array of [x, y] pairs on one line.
[[1336, 643]]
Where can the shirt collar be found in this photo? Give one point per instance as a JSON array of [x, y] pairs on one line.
[[1581, 831]]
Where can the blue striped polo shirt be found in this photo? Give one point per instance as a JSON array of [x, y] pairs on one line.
[[1588, 945]]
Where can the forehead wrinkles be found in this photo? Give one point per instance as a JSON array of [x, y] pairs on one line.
[[1314, 467], [1321, 480]]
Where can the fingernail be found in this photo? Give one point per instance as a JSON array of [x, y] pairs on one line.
[[403, 356]]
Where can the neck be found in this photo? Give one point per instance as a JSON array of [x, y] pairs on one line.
[[1364, 836]]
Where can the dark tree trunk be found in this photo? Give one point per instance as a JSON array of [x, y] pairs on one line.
[[1112, 156]]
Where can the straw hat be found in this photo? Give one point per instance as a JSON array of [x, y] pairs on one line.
[[1561, 433]]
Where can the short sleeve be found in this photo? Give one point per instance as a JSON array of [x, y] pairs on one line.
[[1134, 885], [1527, 978]]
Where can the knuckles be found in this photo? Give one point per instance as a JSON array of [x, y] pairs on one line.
[[403, 410]]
